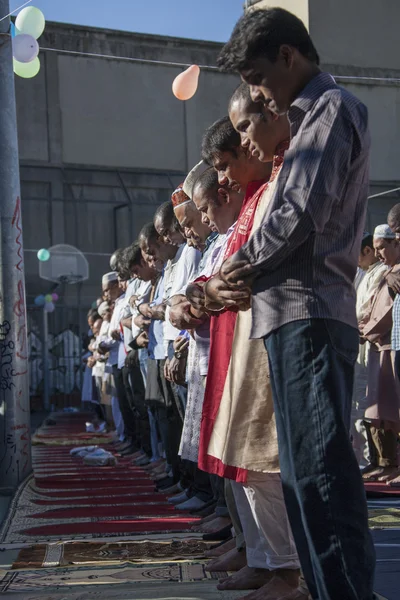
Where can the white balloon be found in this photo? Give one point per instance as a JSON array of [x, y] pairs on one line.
[[31, 21], [27, 70], [25, 48]]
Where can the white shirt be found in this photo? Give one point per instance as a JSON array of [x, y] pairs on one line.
[[178, 273], [212, 266], [112, 344], [98, 369], [131, 290], [143, 294], [367, 288]]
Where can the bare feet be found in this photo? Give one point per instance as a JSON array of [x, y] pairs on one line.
[[208, 518], [247, 578], [159, 469], [276, 589], [154, 465], [380, 474], [198, 526], [222, 549], [390, 476], [159, 476], [282, 586], [215, 525], [394, 482], [233, 560]]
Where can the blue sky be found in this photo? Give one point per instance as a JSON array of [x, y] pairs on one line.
[[199, 19]]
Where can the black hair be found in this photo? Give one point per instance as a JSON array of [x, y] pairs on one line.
[[132, 256], [147, 234], [115, 259], [367, 242], [93, 314], [166, 214], [208, 182], [242, 92], [394, 215], [220, 137], [261, 33]]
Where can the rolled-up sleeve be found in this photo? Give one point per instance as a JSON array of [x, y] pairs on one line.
[[317, 167]]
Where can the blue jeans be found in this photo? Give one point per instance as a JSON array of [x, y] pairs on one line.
[[312, 370]]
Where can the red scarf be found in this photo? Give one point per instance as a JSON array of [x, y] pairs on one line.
[[222, 329]]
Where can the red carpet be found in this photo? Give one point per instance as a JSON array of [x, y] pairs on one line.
[[121, 527], [83, 500], [379, 490], [132, 510], [98, 492], [94, 500]]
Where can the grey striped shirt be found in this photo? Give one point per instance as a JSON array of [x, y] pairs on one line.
[[306, 249]]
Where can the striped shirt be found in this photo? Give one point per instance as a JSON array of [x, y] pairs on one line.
[[306, 250], [396, 324]]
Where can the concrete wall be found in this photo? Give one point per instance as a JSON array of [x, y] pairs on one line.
[[357, 33], [355, 41], [103, 141]]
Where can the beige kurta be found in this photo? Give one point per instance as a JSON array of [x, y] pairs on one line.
[[383, 391], [244, 433]]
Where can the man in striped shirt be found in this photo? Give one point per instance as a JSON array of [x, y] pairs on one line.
[[302, 262]]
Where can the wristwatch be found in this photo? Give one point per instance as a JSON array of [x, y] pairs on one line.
[[178, 355]]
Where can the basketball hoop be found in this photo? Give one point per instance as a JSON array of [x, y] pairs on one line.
[[66, 264]]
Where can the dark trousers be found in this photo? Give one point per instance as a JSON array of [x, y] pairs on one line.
[[382, 445], [170, 429], [162, 402], [135, 391], [94, 408], [218, 488], [312, 370], [199, 481], [127, 413], [397, 363]]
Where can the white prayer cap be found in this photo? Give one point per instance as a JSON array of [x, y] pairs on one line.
[[366, 235], [384, 232], [109, 277], [193, 176], [103, 308]]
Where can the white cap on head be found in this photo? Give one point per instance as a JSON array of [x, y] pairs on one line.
[[384, 232], [193, 176], [109, 277], [103, 308]]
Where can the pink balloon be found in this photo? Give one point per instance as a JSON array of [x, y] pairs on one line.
[[185, 84]]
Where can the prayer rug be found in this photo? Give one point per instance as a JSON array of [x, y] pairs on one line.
[[115, 510], [199, 590], [97, 553], [30, 580], [384, 518], [378, 490], [94, 500]]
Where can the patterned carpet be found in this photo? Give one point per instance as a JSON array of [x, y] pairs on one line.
[[84, 533], [67, 500]]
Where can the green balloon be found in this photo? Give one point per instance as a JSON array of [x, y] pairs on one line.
[[30, 20], [43, 254], [27, 70], [48, 298]]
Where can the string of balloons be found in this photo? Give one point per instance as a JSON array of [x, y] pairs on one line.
[[29, 26]]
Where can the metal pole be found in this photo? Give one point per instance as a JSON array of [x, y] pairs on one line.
[[15, 459], [79, 292], [45, 361]]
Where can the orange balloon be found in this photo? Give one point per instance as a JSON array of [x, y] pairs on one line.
[[185, 84]]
